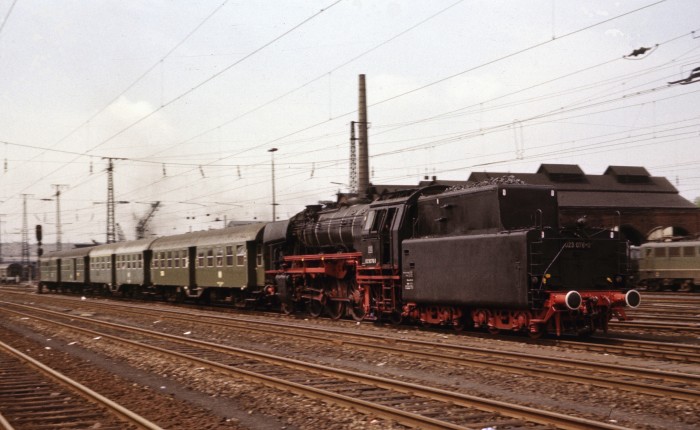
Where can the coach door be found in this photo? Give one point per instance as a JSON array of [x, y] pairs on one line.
[[191, 267]]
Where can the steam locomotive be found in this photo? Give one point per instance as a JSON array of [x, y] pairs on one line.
[[491, 256]]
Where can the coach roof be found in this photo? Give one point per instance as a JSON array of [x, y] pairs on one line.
[[128, 247], [222, 236]]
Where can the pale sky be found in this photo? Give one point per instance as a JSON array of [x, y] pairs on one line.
[[190, 96]]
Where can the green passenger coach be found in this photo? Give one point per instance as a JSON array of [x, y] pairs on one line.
[[213, 264]]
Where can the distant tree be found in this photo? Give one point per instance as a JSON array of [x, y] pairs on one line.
[[697, 201]]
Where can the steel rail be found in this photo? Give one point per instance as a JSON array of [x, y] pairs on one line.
[[643, 348], [644, 326], [4, 424], [115, 408], [516, 411]]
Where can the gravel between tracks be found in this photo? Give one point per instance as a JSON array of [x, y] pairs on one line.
[[171, 387]]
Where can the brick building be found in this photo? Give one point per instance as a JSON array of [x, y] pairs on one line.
[[625, 196]]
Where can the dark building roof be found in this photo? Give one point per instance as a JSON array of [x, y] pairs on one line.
[[619, 187]]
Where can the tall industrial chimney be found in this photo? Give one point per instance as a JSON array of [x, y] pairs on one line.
[[363, 151]]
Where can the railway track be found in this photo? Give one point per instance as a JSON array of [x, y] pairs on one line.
[[657, 326], [406, 403], [608, 375], [640, 348], [33, 396], [627, 347]]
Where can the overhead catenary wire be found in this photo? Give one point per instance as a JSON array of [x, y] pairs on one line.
[[236, 163]]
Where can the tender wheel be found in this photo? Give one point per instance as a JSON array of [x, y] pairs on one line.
[[335, 309], [493, 330], [315, 308], [396, 318], [535, 334]]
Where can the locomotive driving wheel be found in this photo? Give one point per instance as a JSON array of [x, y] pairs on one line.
[[315, 308], [357, 311], [356, 304], [335, 309], [287, 307]]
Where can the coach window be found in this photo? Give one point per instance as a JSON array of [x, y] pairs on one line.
[[229, 255], [219, 257], [176, 256], [210, 258], [170, 259], [689, 251], [240, 255], [659, 252], [200, 259], [184, 258], [140, 258], [259, 257], [674, 252]]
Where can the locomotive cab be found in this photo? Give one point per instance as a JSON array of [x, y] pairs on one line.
[[380, 236]]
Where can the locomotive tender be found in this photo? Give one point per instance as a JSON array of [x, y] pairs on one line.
[[489, 256]]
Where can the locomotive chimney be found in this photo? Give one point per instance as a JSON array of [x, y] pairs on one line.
[[363, 151]]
